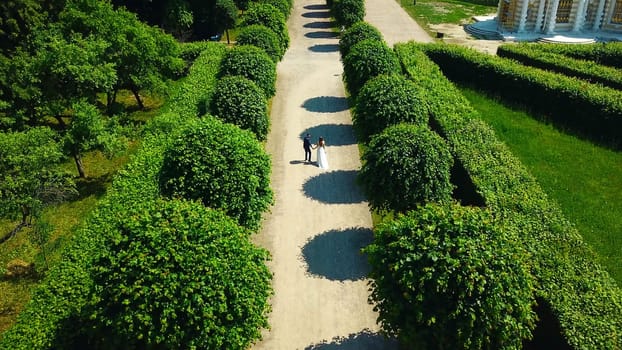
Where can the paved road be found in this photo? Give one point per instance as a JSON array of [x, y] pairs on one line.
[[320, 219]]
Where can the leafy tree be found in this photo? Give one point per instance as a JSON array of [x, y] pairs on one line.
[[367, 59], [388, 100], [449, 277], [178, 19], [262, 37], [406, 165], [226, 15], [252, 63], [348, 12], [356, 33], [30, 174], [177, 275], [239, 101], [223, 166], [89, 131], [269, 16]]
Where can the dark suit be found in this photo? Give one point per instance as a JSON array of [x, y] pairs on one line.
[[306, 144]]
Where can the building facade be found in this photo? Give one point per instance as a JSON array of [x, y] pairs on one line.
[[558, 16]]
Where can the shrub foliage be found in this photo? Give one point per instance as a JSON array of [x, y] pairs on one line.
[[404, 166], [387, 100], [269, 16], [262, 37], [221, 165], [252, 63], [448, 277], [358, 32], [366, 60], [239, 101], [178, 275], [348, 12]]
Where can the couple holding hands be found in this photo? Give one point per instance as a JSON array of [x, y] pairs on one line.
[[322, 161]]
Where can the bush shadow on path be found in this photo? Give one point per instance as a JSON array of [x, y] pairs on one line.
[[364, 340], [336, 254], [323, 48], [334, 135], [326, 104], [335, 187]]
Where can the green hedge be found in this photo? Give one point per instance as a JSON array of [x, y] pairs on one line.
[[587, 109], [356, 33], [608, 54], [348, 12], [252, 63], [267, 15], [584, 298], [48, 320], [367, 59], [591, 71], [262, 37]]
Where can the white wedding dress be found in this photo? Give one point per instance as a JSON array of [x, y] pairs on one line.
[[322, 161]]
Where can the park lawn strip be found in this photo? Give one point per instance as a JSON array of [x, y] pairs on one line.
[[585, 179], [427, 12]]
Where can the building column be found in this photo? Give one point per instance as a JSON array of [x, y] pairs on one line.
[[599, 15], [540, 16], [580, 17], [551, 17], [523, 16]]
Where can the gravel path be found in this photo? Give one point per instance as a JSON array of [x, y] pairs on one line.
[[320, 219]]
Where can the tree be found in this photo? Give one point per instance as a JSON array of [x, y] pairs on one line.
[[177, 275], [388, 100], [239, 101], [31, 178], [405, 166], [223, 166], [450, 277], [225, 16], [252, 63], [358, 32], [178, 19], [89, 131], [367, 59], [262, 37]]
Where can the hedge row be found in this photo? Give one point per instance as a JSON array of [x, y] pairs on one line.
[[588, 109], [49, 319], [608, 54], [591, 71], [347, 12], [584, 298]]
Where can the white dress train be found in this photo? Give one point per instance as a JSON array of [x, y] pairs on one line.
[[322, 161]]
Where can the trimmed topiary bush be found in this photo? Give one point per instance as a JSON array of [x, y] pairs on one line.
[[348, 12], [284, 6], [223, 166], [404, 166], [357, 33], [252, 63], [269, 16], [177, 275], [449, 277], [262, 37], [367, 59], [239, 101], [388, 100]]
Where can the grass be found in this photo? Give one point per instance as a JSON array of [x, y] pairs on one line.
[[427, 12], [584, 179], [15, 292]]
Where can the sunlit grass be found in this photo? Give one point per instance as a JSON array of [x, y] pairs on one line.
[[585, 179], [427, 12]]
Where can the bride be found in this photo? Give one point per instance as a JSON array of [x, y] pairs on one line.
[[322, 161]]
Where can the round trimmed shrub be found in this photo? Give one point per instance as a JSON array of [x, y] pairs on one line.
[[404, 166], [348, 12], [223, 166], [269, 16], [388, 100], [262, 37], [177, 275], [449, 277], [367, 59], [239, 101], [252, 63], [358, 32], [284, 6]]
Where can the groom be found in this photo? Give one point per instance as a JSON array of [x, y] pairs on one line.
[[306, 144]]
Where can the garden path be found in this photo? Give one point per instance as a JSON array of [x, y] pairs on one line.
[[320, 219]]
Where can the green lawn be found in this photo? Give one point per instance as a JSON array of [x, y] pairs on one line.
[[427, 12], [586, 180]]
